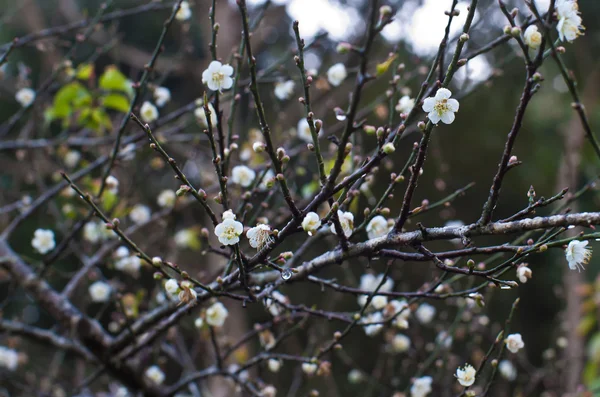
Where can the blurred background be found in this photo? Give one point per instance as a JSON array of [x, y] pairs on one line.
[[557, 315]]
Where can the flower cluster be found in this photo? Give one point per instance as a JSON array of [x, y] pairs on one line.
[[569, 25]]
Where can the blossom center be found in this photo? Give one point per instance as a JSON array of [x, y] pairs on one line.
[[441, 107], [218, 77], [229, 232]]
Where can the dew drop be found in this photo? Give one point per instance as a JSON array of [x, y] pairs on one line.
[[340, 114], [286, 274]]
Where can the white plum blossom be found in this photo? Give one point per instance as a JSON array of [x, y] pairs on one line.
[[172, 287], [112, 184], [524, 273], [259, 236], [71, 159], [337, 74], [242, 175], [578, 254], [405, 104], [284, 89], [187, 293], [466, 375], [303, 130], [229, 230], [379, 302], [272, 303], [274, 365], [369, 282], [309, 368], [184, 238], [9, 358], [268, 391], [43, 241], [198, 322], [200, 115], [373, 329], [216, 314], [25, 96], [121, 252], [155, 374], [129, 264], [166, 198], [148, 112], [346, 221], [311, 223], [569, 25], [355, 376], [184, 13], [421, 387], [441, 107], [100, 291], [401, 311], [91, 232], [514, 342], [378, 227], [425, 313], [140, 214], [400, 343], [162, 95], [507, 370], [266, 180], [218, 76], [533, 38]]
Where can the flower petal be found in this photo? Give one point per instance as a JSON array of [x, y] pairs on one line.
[[434, 117], [453, 104], [227, 70], [443, 93], [428, 104], [448, 117], [227, 83], [214, 67]]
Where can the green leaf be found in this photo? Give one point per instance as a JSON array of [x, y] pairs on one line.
[[69, 98], [383, 67], [113, 80], [85, 71], [116, 102]]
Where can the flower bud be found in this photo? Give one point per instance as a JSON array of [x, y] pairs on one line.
[[389, 148], [157, 261]]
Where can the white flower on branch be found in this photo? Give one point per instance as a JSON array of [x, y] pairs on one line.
[[303, 130], [43, 241], [9, 358], [93, 232], [400, 343], [216, 314], [242, 175], [401, 311], [185, 238], [100, 291], [378, 227], [578, 254], [405, 104], [514, 342], [155, 374], [466, 375], [25, 96], [172, 287], [421, 386], [379, 302], [72, 158], [187, 293], [337, 74], [140, 214], [112, 184], [275, 303], [129, 264], [569, 25], [346, 221], [259, 236], [267, 182], [524, 273], [284, 89], [507, 370], [200, 115], [148, 112], [311, 223], [274, 365], [355, 376], [532, 37], [425, 313], [184, 13], [371, 325], [441, 107], [268, 391], [229, 230], [162, 95], [166, 198], [309, 368], [218, 76]]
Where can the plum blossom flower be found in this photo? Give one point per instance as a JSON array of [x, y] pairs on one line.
[[370, 324], [259, 236], [112, 184], [9, 358], [400, 343], [441, 107], [337, 74], [309, 368], [187, 293], [303, 130], [507, 370], [425, 313], [129, 264], [524, 273], [466, 375], [378, 227], [311, 223], [578, 254], [284, 89], [346, 221], [162, 95], [200, 115], [242, 175], [218, 76], [184, 13], [166, 198], [569, 25], [514, 342], [185, 238], [100, 291], [267, 180], [155, 374], [172, 287], [421, 386], [25, 96], [216, 314], [140, 214], [148, 112], [401, 311], [274, 303], [405, 104], [43, 241], [229, 230], [72, 158], [533, 38], [274, 365], [379, 302]]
